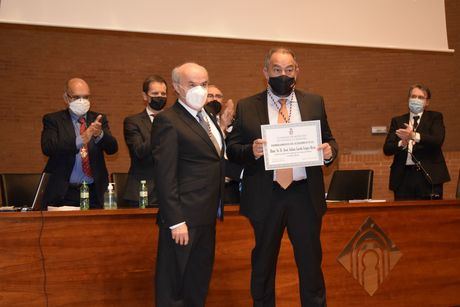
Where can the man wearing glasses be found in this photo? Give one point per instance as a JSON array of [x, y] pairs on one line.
[[415, 139], [291, 198], [75, 140], [223, 111]]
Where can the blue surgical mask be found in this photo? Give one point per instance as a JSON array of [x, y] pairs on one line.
[[416, 105]]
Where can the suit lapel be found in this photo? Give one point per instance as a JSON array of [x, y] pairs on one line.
[[193, 124], [262, 108], [423, 121], [405, 120], [304, 106], [146, 123], [68, 125]]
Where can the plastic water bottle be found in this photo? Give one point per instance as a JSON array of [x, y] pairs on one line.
[[143, 195], [110, 198], [84, 196]]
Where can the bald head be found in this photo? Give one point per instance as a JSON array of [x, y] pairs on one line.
[[188, 70], [77, 87], [187, 76]]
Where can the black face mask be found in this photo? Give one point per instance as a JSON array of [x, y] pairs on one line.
[[157, 103], [281, 85], [214, 107]]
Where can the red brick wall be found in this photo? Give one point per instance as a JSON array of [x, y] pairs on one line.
[[361, 86]]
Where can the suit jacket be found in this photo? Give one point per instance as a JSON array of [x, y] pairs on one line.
[[137, 131], [189, 172], [58, 143], [251, 113], [427, 151]]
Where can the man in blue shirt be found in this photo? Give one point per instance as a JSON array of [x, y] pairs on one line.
[[75, 140]]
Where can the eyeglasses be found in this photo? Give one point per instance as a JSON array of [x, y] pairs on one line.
[[215, 96], [418, 97], [289, 71], [78, 97]]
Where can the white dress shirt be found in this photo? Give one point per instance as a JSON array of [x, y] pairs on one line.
[[298, 173], [410, 144], [150, 113]]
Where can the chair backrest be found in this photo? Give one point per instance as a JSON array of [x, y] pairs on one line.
[[120, 180], [351, 184], [458, 186], [19, 189]]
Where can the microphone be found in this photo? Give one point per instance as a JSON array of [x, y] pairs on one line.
[[427, 176]]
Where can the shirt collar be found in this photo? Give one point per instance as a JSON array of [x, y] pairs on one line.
[[150, 112], [270, 96], [411, 116], [75, 117], [190, 110]]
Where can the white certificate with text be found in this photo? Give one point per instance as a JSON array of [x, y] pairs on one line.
[[292, 145]]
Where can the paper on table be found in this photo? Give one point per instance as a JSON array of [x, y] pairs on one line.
[[7, 208], [63, 208]]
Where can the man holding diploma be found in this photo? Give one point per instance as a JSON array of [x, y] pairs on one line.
[[290, 198]]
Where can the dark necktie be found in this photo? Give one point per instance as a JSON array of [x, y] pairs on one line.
[[415, 122], [84, 151], [204, 123]]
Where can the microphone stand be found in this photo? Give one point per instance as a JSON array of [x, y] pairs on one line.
[[427, 176]]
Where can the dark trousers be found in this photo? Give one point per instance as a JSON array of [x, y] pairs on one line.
[[183, 273], [415, 186], [72, 197], [291, 209]]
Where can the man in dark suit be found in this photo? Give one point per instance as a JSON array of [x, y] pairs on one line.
[[75, 140], [137, 131], [289, 198], [188, 150], [415, 139], [225, 112]]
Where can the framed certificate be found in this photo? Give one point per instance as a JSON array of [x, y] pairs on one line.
[[292, 145]]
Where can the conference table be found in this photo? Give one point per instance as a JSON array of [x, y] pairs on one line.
[[374, 254]]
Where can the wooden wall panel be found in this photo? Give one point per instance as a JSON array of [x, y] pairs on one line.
[[107, 258]]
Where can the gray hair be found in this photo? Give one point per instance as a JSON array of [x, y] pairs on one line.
[[176, 72], [421, 87], [175, 76], [280, 50]]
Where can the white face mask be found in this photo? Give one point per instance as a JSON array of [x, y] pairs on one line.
[[79, 106], [196, 97]]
